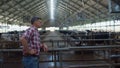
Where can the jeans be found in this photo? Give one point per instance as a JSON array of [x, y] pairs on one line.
[[30, 62]]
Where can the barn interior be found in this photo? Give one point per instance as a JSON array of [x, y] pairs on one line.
[[78, 33]]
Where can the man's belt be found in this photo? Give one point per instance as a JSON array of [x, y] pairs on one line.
[[28, 55]]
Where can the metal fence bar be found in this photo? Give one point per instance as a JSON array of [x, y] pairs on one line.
[[60, 50]]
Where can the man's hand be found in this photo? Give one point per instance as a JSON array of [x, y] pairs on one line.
[[32, 51], [45, 48]]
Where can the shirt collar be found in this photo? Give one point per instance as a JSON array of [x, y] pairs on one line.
[[34, 27]]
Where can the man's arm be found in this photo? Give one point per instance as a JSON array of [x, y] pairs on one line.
[[25, 45]]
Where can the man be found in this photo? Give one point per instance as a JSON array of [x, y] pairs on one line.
[[31, 44]]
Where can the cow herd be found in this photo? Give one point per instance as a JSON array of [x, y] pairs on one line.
[[11, 39], [88, 37]]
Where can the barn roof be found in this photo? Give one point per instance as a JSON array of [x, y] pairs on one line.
[[66, 12]]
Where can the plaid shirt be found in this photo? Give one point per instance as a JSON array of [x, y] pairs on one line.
[[33, 38]]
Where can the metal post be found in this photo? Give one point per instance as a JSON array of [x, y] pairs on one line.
[[109, 59], [1, 59], [60, 57], [55, 61], [52, 48]]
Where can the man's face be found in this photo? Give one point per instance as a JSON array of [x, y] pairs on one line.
[[38, 23]]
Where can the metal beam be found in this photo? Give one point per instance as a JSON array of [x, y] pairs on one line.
[[41, 8], [83, 7], [99, 2], [37, 5], [4, 2], [42, 13], [95, 9], [21, 12], [79, 8], [12, 12], [76, 9], [63, 11]]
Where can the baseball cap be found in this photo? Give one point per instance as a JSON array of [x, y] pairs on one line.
[[33, 19]]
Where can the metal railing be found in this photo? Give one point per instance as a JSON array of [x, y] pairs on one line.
[[58, 52]]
